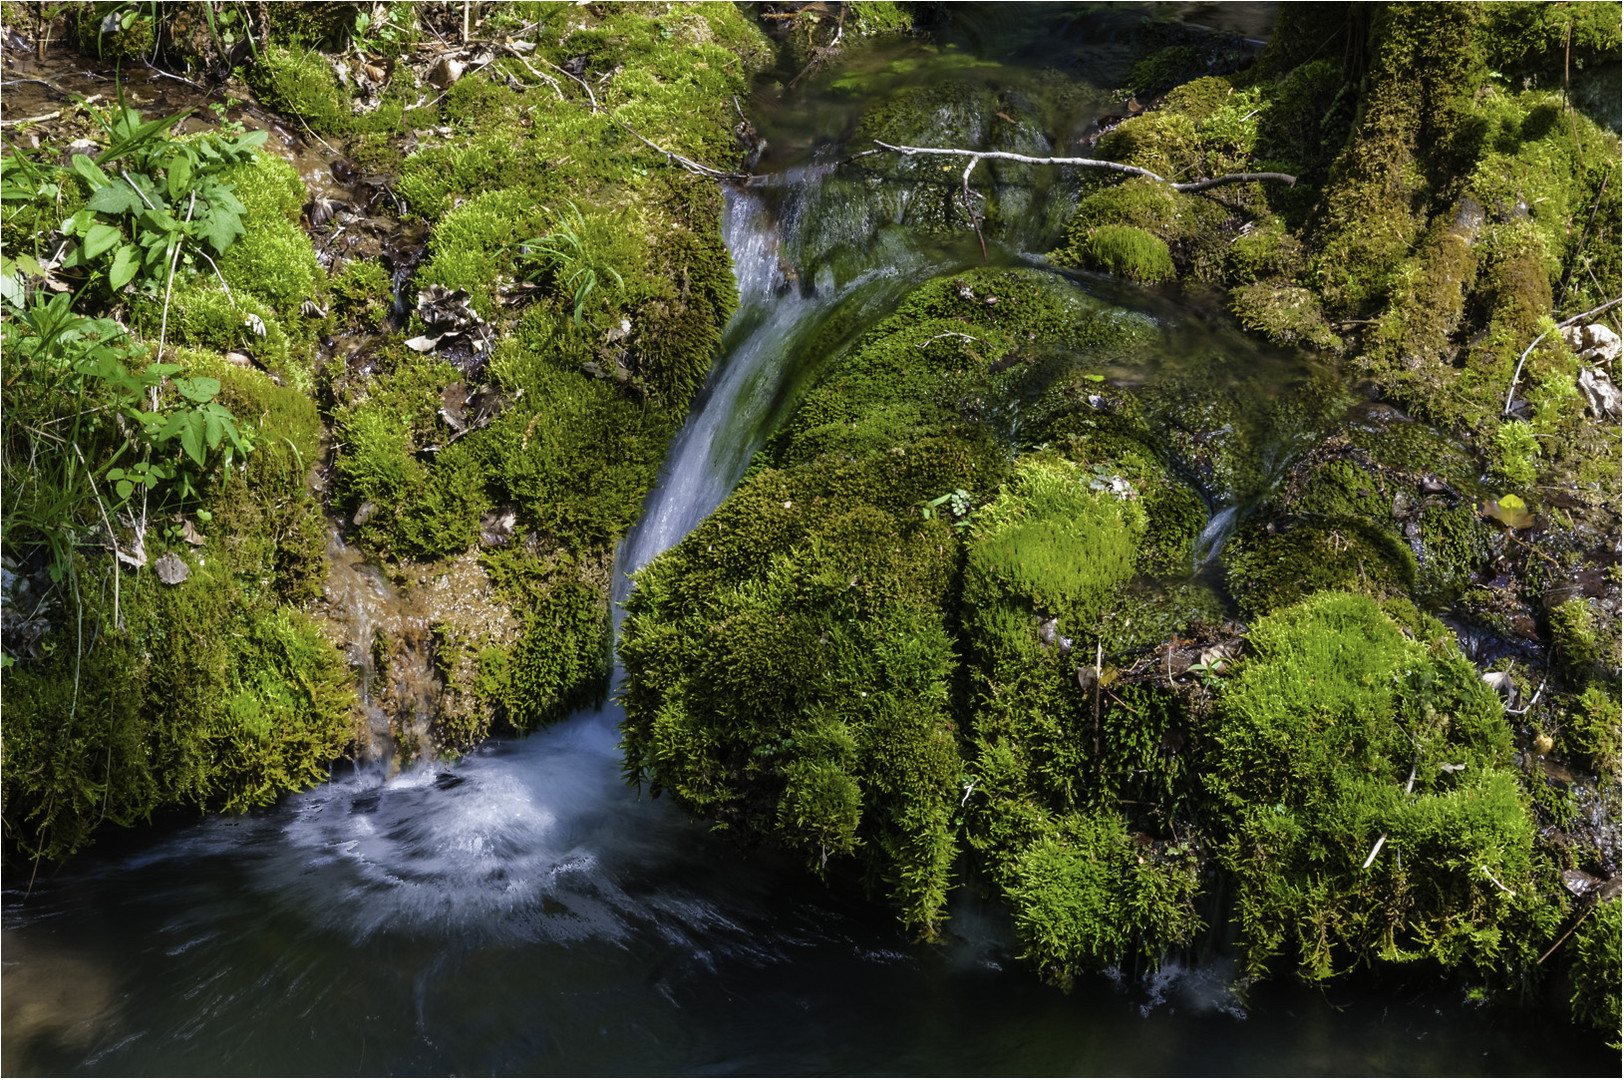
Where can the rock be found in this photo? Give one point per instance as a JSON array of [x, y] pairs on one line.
[[496, 527], [240, 359], [1502, 683], [363, 513], [1579, 883], [172, 569]]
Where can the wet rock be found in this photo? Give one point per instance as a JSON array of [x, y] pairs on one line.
[[1579, 883], [496, 527], [363, 513]]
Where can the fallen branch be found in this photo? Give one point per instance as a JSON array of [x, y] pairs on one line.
[[91, 100], [1563, 325], [978, 156]]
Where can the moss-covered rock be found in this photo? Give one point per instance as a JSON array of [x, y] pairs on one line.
[[1371, 811]]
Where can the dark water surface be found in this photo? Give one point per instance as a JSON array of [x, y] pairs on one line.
[[523, 911]]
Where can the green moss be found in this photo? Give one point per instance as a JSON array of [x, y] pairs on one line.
[[1283, 314], [1454, 548], [362, 295], [1125, 251], [876, 17], [1309, 761], [268, 187], [276, 263], [299, 82], [1265, 252], [1083, 896], [131, 36], [1048, 543], [1266, 572], [1595, 953], [1574, 637], [1591, 729], [1517, 454], [212, 698], [1423, 68]]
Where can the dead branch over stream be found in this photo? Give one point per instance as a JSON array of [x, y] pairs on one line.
[[976, 157]]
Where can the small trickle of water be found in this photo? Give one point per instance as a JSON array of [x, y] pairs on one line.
[[389, 643], [1211, 540]]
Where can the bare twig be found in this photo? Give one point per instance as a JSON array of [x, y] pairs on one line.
[[1565, 936], [1564, 324], [977, 156], [91, 100], [1490, 873], [947, 334]]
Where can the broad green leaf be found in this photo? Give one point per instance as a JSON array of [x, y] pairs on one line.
[[115, 199], [100, 238], [191, 438], [124, 489], [125, 265], [212, 429], [199, 389], [89, 170], [180, 175], [221, 228]]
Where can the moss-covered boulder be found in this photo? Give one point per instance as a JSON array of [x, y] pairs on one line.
[[1371, 812]]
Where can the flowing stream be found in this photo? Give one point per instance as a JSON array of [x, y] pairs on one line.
[[522, 910]]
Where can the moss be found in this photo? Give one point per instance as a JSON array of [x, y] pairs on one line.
[[1314, 741], [1047, 543], [212, 698], [130, 36], [1595, 960], [1517, 452], [877, 17], [299, 82], [362, 295], [1423, 61], [268, 187], [1125, 251], [1574, 638], [1266, 572], [276, 263], [1455, 546], [1591, 729], [1083, 897], [1267, 252], [1283, 314]]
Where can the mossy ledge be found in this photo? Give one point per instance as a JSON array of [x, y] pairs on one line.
[[600, 276]]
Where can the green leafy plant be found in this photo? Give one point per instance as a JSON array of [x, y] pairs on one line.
[[568, 256], [155, 200], [80, 404], [958, 502]]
